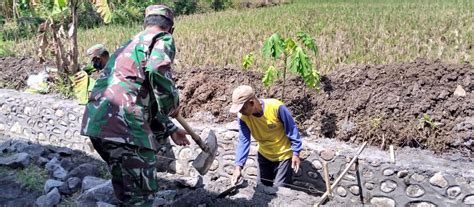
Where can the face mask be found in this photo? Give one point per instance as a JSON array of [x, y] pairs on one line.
[[97, 65]]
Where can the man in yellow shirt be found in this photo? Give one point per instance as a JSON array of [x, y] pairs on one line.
[[274, 129]]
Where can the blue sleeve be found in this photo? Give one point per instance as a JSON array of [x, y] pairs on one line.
[[243, 147], [291, 129]]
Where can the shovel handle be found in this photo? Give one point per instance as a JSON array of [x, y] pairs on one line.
[[190, 131]]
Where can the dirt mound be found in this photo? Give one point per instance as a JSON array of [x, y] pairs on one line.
[[14, 71], [410, 104]]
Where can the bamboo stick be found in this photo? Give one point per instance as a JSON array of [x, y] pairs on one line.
[[334, 185]]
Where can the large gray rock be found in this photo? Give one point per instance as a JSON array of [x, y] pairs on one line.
[[35, 151], [52, 165], [84, 170], [50, 184], [60, 173], [90, 181], [103, 193], [19, 160], [71, 186], [102, 204], [51, 199]]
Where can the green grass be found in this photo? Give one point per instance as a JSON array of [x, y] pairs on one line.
[[32, 177], [347, 32]]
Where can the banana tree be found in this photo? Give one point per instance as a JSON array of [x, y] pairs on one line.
[[53, 36]]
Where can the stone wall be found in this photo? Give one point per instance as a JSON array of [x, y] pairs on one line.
[[417, 178]]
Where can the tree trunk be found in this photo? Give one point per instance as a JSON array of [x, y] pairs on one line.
[[73, 37]]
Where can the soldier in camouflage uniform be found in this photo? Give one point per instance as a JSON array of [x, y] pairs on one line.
[[128, 114]]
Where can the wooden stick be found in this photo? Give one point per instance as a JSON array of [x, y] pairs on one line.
[[334, 185], [392, 154], [326, 178]]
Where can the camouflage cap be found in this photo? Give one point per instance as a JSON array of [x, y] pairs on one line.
[[96, 50], [160, 10]]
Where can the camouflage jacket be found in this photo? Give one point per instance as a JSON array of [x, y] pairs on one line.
[[121, 107]]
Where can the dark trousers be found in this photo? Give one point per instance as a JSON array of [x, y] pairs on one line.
[[272, 173]]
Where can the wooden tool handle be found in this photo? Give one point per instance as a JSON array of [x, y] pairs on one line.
[[190, 131]]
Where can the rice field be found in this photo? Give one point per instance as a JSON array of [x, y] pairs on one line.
[[347, 33]]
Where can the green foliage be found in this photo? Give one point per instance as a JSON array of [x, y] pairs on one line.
[[185, 7], [427, 120], [247, 61], [219, 5], [271, 74], [103, 9], [295, 58], [308, 41], [273, 46], [32, 177]]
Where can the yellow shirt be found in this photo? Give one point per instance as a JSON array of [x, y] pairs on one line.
[[269, 132]]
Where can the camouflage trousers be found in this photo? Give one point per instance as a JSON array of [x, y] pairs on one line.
[[133, 171]]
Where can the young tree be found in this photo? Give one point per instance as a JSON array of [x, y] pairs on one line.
[[294, 58]]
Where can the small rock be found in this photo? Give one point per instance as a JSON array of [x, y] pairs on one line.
[[168, 195], [64, 151], [317, 165], [438, 180], [460, 91], [41, 161], [89, 182], [422, 204], [341, 191], [160, 202], [283, 191], [415, 191], [469, 200], [35, 151], [232, 126], [354, 190], [59, 113], [52, 164], [19, 160], [50, 184], [453, 192], [349, 177], [402, 173], [103, 204], [388, 172], [191, 182], [369, 186], [382, 202], [417, 177], [328, 154], [60, 173], [51, 199], [269, 190], [252, 171], [103, 192], [231, 135], [461, 180], [71, 186], [84, 170], [67, 164], [388, 186]]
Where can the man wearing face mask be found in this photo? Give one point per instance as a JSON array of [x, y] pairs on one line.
[[99, 56], [82, 81], [128, 115]]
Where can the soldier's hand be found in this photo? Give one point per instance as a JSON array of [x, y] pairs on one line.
[[179, 137], [175, 112]]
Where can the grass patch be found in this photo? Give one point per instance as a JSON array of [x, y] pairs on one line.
[[347, 32], [32, 177]]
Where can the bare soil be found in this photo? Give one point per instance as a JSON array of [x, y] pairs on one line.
[[381, 104]]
